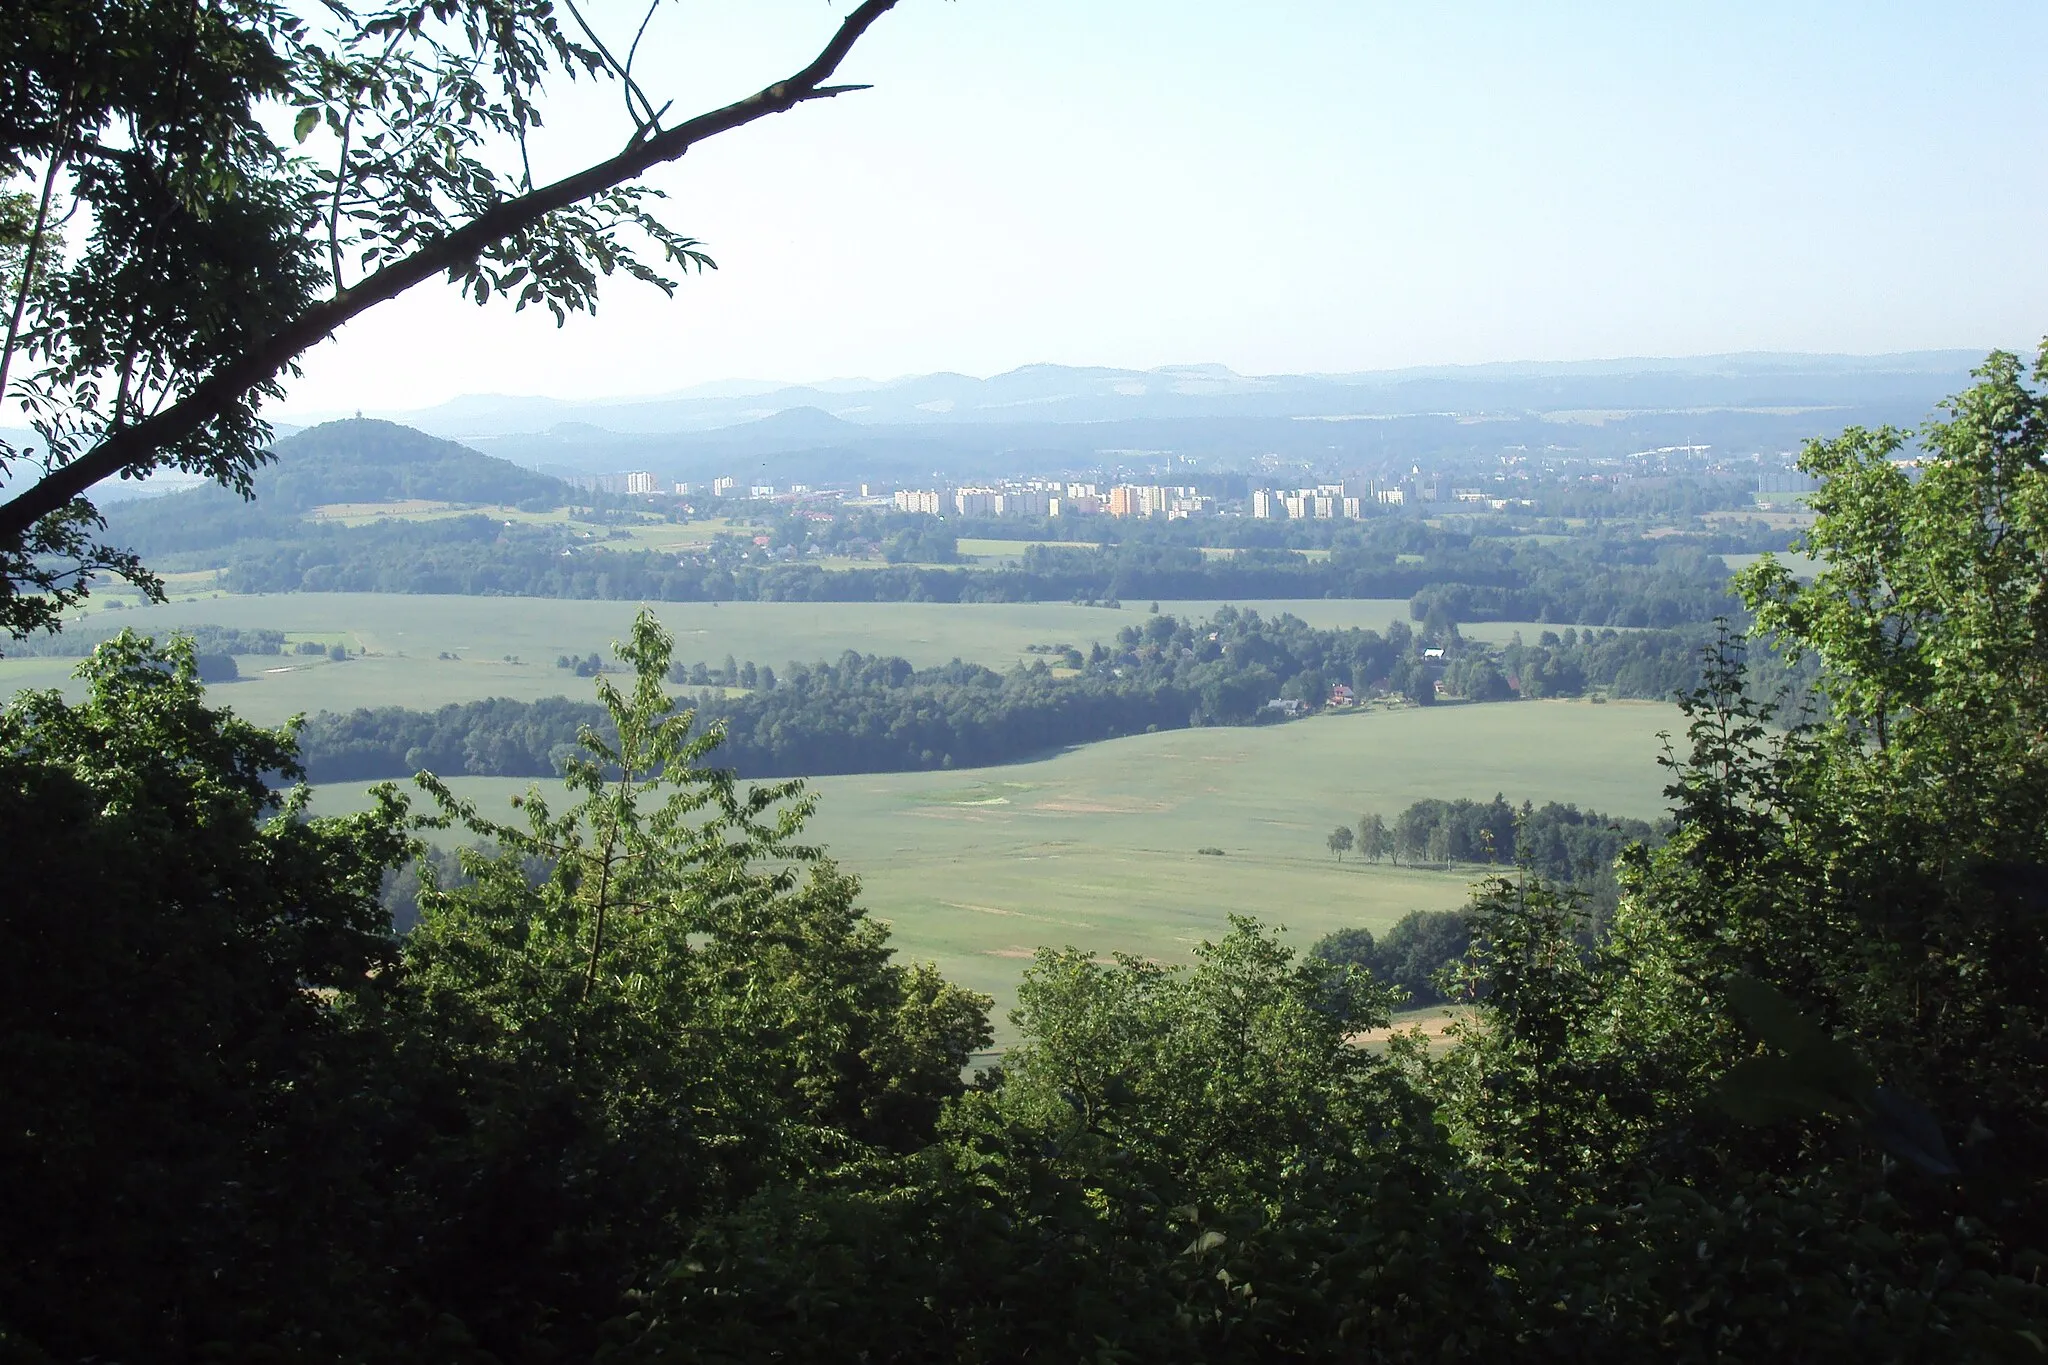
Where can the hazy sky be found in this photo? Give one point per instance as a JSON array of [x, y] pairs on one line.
[[1298, 185]]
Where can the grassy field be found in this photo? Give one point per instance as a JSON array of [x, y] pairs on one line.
[[976, 547], [1097, 846], [507, 646], [1803, 566], [982, 549], [653, 533]]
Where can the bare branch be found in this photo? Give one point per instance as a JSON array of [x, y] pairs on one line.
[[341, 183], [644, 117], [654, 116], [30, 260], [267, 359]]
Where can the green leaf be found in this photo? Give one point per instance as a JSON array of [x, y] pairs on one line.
[[1767, 1013], [1906, 1130], [302, 128], [1764, 1090]]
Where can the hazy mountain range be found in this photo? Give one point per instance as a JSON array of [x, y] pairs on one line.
[[1069, 419], [1038, 394], [1056, 418]]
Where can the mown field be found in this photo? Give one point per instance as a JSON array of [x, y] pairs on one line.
[[982, 550], [1097, 846], [1802, 566], [507, 646]]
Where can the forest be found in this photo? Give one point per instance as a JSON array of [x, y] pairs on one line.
[[1559, 845], [865, 713]]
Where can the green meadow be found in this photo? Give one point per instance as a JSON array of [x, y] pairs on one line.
[[976, 549], [1097, 846], [1798, 563], [507, 646]]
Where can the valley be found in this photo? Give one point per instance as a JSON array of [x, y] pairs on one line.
[[1097, 846], [507, 646]]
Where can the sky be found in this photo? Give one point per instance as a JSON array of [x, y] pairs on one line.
[[1291, 186]]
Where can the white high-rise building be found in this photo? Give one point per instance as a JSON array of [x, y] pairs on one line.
[[975, 502]]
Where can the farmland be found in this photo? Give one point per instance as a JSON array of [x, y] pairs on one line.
[[983, 550], [1097, 846], [975, 867], [405, 637]]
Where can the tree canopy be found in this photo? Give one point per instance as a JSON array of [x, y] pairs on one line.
[[196, 195]]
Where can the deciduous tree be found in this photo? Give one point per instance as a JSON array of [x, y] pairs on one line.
[[198, 194]]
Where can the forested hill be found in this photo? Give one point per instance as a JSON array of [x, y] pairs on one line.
[[363, 460], [354, 461]]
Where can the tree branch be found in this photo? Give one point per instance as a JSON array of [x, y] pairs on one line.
[[30, 259], [264, 361]]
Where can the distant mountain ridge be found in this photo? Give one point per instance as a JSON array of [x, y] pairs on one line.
[[1063, 394]]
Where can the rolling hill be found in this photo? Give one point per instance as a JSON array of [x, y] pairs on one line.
[[358, 460]]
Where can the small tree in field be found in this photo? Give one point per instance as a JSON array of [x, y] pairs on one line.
[[1374, 841], [1340, 841]]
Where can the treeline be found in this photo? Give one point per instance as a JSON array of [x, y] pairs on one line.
[[1555, 843], [206, 639], [1624, 584], [871, 713], [1409, 956], [1559, 843]]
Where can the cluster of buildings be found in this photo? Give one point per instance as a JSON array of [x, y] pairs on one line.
[[1040, 498], [1320, 503], [1352, 500], [1044, 498]]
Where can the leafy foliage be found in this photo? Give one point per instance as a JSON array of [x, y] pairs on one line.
[[170, 934], [170, 256], [1411, 955], [295, 1130]]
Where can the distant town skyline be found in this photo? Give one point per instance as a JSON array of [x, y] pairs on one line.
[[1305, 188]]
